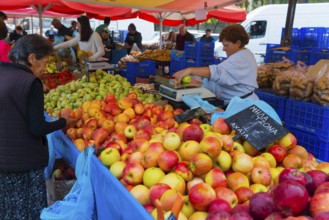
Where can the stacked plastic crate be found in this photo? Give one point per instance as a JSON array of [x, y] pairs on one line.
[[199, 54], [310, 123], [309, 45], [139, 69]]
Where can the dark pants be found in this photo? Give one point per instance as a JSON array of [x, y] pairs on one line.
[[23, 195]]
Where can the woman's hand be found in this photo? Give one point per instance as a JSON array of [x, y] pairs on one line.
[[180, 74]]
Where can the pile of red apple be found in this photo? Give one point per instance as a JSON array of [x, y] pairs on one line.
[[154, 157]]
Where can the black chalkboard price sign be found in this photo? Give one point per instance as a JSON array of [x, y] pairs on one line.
[[257, 127]]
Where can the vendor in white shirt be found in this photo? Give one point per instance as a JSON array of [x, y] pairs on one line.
[[87, 39], [237, 75]]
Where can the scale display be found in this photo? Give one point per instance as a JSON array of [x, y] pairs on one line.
[[168, 92]]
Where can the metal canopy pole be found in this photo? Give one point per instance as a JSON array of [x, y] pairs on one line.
[[286, 40]]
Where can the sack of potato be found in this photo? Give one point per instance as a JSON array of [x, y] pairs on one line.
[[264, 73], [301, 86], [321, 83]]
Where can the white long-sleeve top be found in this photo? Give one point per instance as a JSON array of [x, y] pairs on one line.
[[236, 76], [94, 44]]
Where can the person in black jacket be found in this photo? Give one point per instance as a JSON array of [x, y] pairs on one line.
[[182, 37], [207, 38], [133, 36], [23, 129], [108, 44], [15, 34]]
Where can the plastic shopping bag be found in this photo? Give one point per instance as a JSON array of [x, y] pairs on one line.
[[237, 104], [195, 101], [79, 204]]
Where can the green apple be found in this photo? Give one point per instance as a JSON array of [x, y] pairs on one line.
[[109, 156], [117, 168], [186, 79], [224, 161], [152, 176]]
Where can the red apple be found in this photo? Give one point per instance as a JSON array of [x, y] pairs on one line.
[[133, 173], [167, 160], [141, 145], [150, 159], [135, 157], [241, 216], [92, 123], [142, 134], [99, 136], [240, 208], [274, 216], [110, 98], [319, 203], [182, 169], [309, 185], [149, 208], [72, 133], [192, 132], [324, 187], [216, 178], [156, 146], [236, 180], [219, 205], [286, 195], [195, 121], [87, 133], [201, 195], [221, 126], [318, 177], [228, 142], [157, 190], [293, 175], [211, 146], [244, 194], [278, 152], [219, 215], [193, 182], [261, 205], [288, 141], [322, 216], [114, 144], [261, 175], [200, 164], [116, 137], [226, 194]]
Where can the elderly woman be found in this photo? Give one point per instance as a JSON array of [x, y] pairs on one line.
[[236, 76], [23, 146], [87, 40]]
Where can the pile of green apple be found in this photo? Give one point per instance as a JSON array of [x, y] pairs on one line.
[[75, 93]]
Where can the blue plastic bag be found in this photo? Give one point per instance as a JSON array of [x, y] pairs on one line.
[[79, 203], [195, 101], [51, 151], [237, 104]]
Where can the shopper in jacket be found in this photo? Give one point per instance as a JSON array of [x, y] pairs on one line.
[[108, 44], [207, 38], [101, 27], [237, 75], [182, 37], [87, 39], [4, 46], [15, 34], [23, 145], [133, 37]]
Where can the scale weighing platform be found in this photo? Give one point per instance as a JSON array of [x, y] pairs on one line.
[[174, 91]]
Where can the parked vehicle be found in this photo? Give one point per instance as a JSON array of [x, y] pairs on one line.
[[269, 21]]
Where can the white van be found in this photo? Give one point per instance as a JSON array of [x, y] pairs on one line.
[[270, 20]]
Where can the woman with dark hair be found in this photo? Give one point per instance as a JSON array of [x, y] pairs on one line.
[[237, 75], [87, 39], [4, 46], [23, 146], [133, 37]]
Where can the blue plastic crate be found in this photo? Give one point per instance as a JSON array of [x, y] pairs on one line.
[[307, 116], [131, 78], [295, 36], [276, 55], [192, 63], [318, 54], [192, 49], [177, 64], [311, 36], [303, 54], [206, 49], [315, 145], [271, 46], [141, 69], [325, 38], [278, 103]]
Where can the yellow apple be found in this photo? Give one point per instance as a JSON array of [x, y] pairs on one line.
[[224, 161], [152, 176], [117, 168], [270, 158]]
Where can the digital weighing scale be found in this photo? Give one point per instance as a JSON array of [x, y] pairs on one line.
[[175, 91]]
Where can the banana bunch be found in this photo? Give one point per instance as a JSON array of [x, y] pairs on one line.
[[83, 55]]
